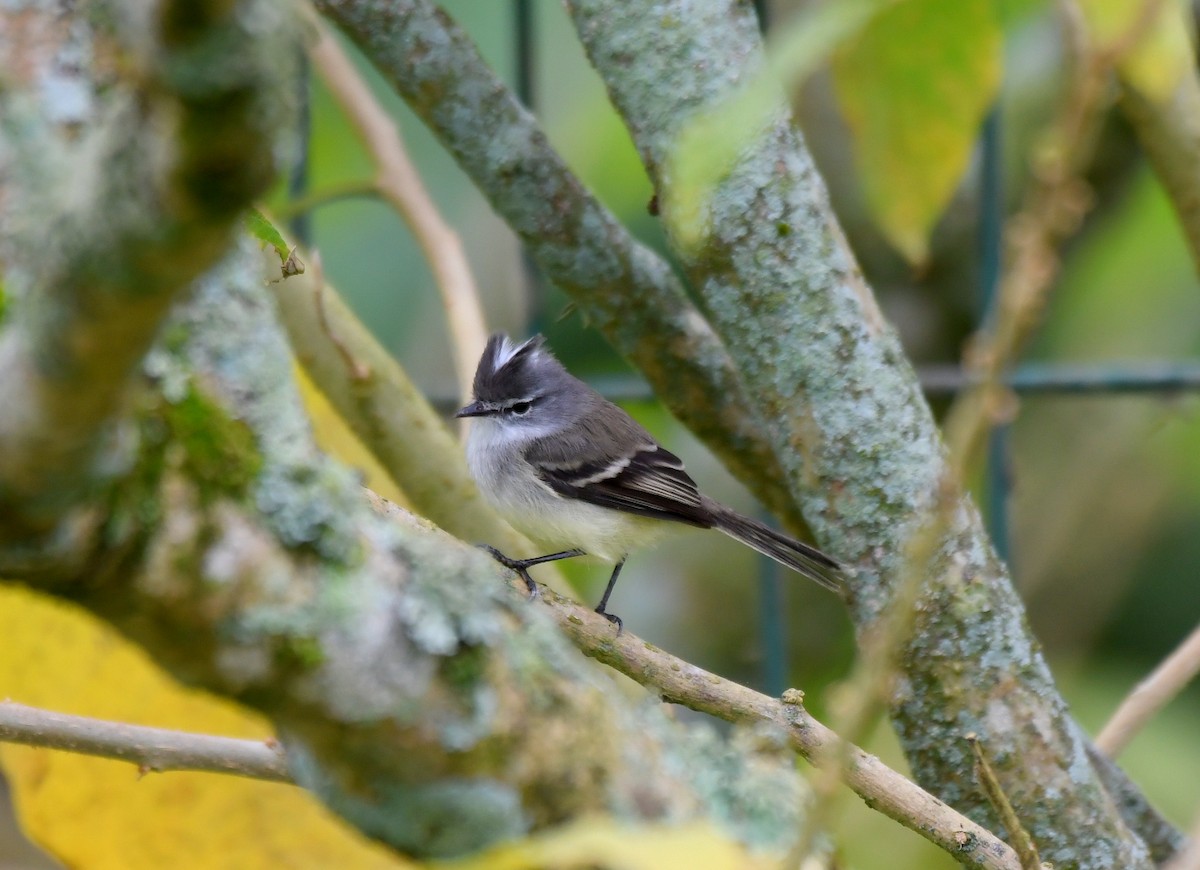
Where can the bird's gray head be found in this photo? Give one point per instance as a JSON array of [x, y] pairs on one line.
[[519, 383]]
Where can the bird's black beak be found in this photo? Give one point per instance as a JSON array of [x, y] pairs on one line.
[[475, 409]]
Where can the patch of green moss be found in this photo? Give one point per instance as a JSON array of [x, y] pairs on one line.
[[300, 652], [215, 452], [134, 505], [3, 303], [463, 670], [219, 453], [174, 338]]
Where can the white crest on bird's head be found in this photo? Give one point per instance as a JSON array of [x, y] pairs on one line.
[[505, 368], [503, 350]]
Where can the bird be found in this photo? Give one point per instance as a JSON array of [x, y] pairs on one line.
[[578, 476]]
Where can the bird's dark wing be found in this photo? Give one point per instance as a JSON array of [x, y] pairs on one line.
[[645, 479]]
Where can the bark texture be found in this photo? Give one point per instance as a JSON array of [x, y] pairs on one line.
[[862, 454], [156, 466]]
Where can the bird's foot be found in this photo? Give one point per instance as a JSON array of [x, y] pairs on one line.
[[613, 618], [521, 566]]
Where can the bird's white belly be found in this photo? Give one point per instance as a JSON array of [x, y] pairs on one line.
[[547, 518]]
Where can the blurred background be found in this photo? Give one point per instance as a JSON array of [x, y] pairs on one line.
[[1102, 491]]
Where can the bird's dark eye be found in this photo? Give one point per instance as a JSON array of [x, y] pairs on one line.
[[521, 408]]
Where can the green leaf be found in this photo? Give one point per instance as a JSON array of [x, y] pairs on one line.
[[1013, 13], [914, 85], [263, 230], [1162, 53]]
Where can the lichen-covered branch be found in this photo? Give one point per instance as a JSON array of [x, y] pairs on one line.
[[623, 288], [1162, 837], [102, 231], [155, 750], [412, 691], [857, 440], [676, 681]]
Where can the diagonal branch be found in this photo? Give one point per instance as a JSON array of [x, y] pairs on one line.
[[861, 450], [1151, 695], [1024, 845], [880, 787]]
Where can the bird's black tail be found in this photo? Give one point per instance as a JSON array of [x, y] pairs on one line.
[[800, 557]]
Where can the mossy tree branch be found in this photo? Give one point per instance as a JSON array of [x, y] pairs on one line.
[[104, 231], [191, 509], [412, 691], [862, 454]]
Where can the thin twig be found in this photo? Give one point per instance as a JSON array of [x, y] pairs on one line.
[[1022, 842], [880, 787], [863, 696], [151, 749], [1151, 695], [1053, 209], [397, 182]]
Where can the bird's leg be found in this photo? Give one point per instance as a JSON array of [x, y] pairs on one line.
[[612, 581], [522, 566]]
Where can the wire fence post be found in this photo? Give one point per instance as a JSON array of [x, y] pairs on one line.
[[300, 225], [997, 483]]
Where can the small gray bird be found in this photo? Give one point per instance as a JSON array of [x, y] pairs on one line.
[[579, 476]]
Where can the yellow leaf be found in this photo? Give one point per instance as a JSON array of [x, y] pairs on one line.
[[914, 85], [95, 814], [1156, 61], [604, 843], [339, 441]]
